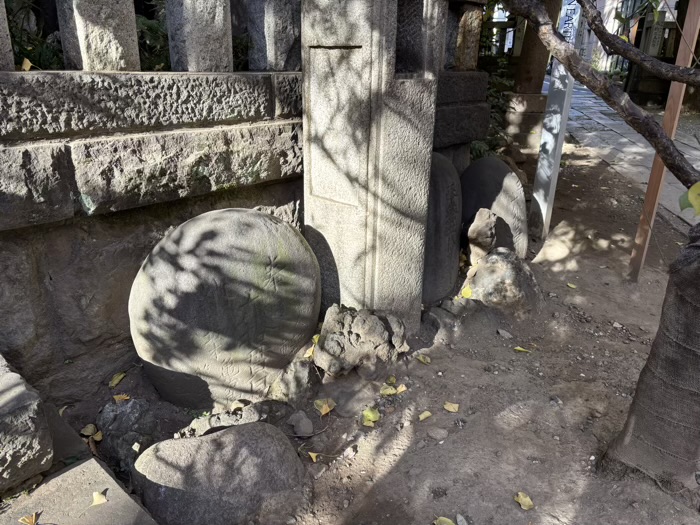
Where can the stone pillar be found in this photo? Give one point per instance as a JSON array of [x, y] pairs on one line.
[[274, 28], [469, 37], [99, 35], [369, 112], [7, 59], [199, 34]]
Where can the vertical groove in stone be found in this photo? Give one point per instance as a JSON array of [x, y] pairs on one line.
[[7, 61]]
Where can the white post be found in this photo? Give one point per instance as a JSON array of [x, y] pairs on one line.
[[7, 60], [556, 115]]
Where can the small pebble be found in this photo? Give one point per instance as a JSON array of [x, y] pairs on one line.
[[438, 434]]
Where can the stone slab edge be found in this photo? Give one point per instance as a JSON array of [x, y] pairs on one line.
[[460, 124], [68, 104]]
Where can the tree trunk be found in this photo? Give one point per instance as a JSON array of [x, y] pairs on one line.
[[533, 60], [662, 434]]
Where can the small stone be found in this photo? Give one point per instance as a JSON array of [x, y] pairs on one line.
[[552, 294], [303, 426], [556, 438], [317, 469], [346, 503], [617, 326], [504, 334], [438, 434], [461, 520]]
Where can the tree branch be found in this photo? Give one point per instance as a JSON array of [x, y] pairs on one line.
[[613, 44], [617, 99]]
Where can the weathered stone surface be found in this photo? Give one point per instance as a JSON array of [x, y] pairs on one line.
[[136, 421], [68, 446], [526, 103], [460, 155], [26, 448], [461, 124], [247, 473], [523, 122], [287, 95], [351, 338], [199, 35], [444, 226], [504, 281], [35, 185], [66, 498], [118, 173], [274, 27], [303, 426], [461, 87], [72, 57], [82, 103], [490, 183], [297, 381], [221, 306], [7, 59], [482, 235], [241, 415]]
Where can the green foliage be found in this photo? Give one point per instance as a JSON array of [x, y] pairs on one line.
[[153, 39], [500, 82], [28, 40]]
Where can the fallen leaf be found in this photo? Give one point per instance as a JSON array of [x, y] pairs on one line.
[[680, 243], [62, 410], [571, 285], [26, 65], [313, 456], [98, 498], [315, 339], [521, 349], [451, 407], [89, 430], [401, 389], [121, 397], [391, 380], [524, 500], [424, 415], [387, 390], [116, 379], [309, 354], [423, 359], [136, 447], [29, 520], [466, 292], [324, 406], [98, 436], [370, 416], [443, 521]]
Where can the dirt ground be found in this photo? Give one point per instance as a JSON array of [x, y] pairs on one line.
[[535, 422]]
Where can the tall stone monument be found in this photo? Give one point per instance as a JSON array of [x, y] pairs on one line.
[[370, 72]]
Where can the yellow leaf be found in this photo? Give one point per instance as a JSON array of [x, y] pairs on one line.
[[309, 354], [524, 500], [391, 380], [466, 292], [62, 410], [694, 197], [116, 379], [324, 406], [314, 339], [370, 416], [89, 430], [423, 359], [451, 407], [424, 415], [521, 349], [387, 390], [98, 436], [313, 456], [571, 285], [443, 521], [401, 389], [26, 65], [98, 498], [121, 397], [29, 520]]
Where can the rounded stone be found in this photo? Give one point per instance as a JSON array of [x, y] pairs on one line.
[[221, 305]]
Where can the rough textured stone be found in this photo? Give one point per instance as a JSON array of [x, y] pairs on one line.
[[504, 281], [35, 185], [68, 446], [287, 95], [461, 87], [490, 183], [482, 235], [136, 170], [469, 37], [66, 497], [72, 57], [460, 124], [26, 448], [274, 27], [241, 415], [351, 338], [199, 35], [247, 473], [7, 59], [83, 103], [221, 305], [297, 381], [443, 231], [303, 426]]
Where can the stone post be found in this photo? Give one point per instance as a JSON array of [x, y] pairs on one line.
[[99, 35], [199, 34], [370, 77], [7, 60], [274, 28], [469, 37]]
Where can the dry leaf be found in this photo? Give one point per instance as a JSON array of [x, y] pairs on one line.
[[401, 389], [391, 380], [466, 292], [30, 520], [324, 406], [423, 359], [309, 354], [571, 285], [451, 407], [26, 65], [88, 430], [387, 390], [521, 349], [424, 415], [524, 500], [443, 521], [98, 498], [98, 436], [62, 410], [315, 338], [116, 379], [313, 456], [370, 416], [121, 397]]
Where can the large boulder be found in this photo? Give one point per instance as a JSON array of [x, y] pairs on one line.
[[441, 266], [490, 183], [238, 475], [221, 305], [26, 447]]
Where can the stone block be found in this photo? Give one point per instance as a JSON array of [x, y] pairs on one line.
[[66, 498], [529, 141], [461, 87], [26, 448], [221, 306], [118, 173], [7, 58], [441, 267], [274, 29], [523, 122], [461, 124], [199, 35], [287, 89], [84, 103], [35, 185], [459, 155], [526, 103]]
